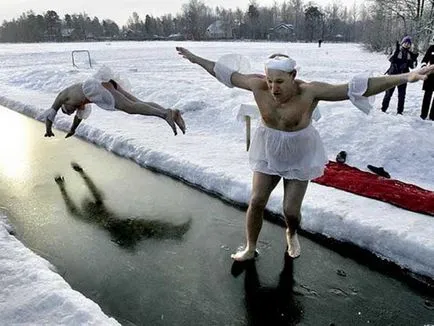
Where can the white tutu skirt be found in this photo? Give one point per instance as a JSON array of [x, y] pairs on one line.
[[98, 94], [292, 155]]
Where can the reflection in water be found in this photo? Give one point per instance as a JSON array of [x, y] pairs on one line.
[[270, 305], [125, 232], [14, 148]]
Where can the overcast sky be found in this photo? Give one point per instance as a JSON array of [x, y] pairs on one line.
[[119, 11]]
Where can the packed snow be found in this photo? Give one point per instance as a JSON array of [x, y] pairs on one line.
[[212, 154]]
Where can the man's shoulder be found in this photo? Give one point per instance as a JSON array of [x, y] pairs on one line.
[[259, 82], [307, 86], [73, 87], [72, 92], [301, 83]]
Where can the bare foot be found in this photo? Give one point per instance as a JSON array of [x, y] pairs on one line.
[[294, 249], [179, 120], [244, 255], [170, 120]]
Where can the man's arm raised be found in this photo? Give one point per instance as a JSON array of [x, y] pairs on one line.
[[74, 126], [51, 114], [374, 85], [224, 74], [379, 84]]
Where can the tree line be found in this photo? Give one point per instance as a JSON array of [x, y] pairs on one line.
[[378, 23]]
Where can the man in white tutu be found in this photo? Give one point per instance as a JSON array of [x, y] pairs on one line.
[[285, 144], [104, 89]]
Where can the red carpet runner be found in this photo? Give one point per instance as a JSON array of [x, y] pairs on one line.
[[404, 195]]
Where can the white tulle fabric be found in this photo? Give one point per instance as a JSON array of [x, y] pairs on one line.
[[226, 65], [356, 88], [281, 63], [97, 94], [292, 155], [84, 113]]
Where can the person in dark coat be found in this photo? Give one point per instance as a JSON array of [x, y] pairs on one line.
[[428, 85], [401, 61]]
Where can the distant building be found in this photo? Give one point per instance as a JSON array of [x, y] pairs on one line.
[[339, 38], [282, 32], [219, 30], [176, 37], [130, 34], [66, 32]]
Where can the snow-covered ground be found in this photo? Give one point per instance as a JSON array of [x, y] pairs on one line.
[[212, 153]]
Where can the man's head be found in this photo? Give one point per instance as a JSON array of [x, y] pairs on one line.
[[68, 109], [406, 42], [280, 73]]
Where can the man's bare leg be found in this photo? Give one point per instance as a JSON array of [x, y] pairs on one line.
[[173, 116], [129, 105], [262, 187], [179, 120], [176, 115], [294, 191]]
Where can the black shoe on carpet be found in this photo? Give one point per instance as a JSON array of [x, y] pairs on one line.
[[341, 157], [379, 170]]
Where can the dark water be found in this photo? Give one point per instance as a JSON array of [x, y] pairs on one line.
[[152, 251]]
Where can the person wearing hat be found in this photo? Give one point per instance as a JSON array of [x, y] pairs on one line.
[[401, 61], [428, 84], [286, 145]]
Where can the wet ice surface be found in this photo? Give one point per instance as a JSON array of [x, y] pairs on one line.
[[217, 140]]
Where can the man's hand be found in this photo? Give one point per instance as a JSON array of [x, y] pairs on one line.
[[59, 180], [69, 134], [76, 167], [49, 133], [186, 54], [420, 74]]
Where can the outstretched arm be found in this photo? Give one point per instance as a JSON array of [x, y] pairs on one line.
[[329, 92], [90, 184], [247, 82], [70, 205], [60, 99], [379, 84], [74, 126]]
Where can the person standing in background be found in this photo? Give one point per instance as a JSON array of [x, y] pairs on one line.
[[428, 84], [401, 61]]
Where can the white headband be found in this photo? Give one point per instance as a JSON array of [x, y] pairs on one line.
[[281, 63]]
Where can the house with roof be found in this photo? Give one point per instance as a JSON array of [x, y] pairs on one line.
[[219, 30], [282, 32]]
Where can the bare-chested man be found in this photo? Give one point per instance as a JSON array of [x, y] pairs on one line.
[[285, 144], [109, 95]]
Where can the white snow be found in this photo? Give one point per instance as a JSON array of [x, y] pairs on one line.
[[212, 154]]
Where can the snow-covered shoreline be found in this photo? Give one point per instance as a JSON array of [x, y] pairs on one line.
[[211, 155]]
